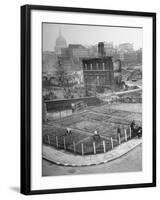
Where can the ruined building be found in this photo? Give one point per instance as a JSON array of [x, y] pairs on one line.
[[98, 72], [101, 72]]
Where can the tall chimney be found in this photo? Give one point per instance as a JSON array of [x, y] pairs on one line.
[[101, 51]]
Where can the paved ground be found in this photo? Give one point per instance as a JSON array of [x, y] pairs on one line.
[[130, 162], [63, 157]]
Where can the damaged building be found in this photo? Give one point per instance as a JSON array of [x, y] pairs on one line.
[[99, 73]]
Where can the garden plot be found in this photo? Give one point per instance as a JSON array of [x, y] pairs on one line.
[[104, 119], [86, 125]]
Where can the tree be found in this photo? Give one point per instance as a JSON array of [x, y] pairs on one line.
[[61, 74]]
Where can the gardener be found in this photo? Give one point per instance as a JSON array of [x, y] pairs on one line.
[[118, 132], [133, 128], [96, 135], [139, 130], [68, 131]]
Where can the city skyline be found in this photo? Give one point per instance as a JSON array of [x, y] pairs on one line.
[[90, 35]]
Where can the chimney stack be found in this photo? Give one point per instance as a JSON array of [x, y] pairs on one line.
[[101, 51]]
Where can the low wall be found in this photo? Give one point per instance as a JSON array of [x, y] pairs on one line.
[[65, 104]]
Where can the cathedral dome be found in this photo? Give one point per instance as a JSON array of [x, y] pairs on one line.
[[60, 41]]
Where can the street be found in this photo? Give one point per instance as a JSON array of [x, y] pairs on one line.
[[131, 162]]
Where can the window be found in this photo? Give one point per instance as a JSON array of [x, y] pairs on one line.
[[97, 66], [103, 65], [100, 66], [85, 66], [94, 66], [91, 66]]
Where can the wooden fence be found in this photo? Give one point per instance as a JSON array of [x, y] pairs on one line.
[[87, 147]]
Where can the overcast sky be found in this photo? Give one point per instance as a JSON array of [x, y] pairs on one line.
[[90, 35]]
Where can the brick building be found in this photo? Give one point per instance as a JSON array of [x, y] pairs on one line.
[[101, 72], [98, 73]]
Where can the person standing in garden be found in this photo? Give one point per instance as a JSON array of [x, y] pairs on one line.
[[133, 128], [118, 132]]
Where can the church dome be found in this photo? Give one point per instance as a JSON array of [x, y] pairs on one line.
[[60, 41]]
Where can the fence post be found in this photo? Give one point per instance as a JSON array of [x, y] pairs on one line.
[[104, 146], [94, 147], [111, 142], [82, 149], [64, 142], [130, 133], [125, 132], [56, 141], [48, 139], [119, 139], [74, 147]]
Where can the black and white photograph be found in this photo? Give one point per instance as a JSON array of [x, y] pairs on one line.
[[92, 85], [88, 99], [79, 100]]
